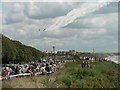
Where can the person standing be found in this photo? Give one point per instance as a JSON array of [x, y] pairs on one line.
[[7, 72], [88, 64], [43, 69], [83, 64]]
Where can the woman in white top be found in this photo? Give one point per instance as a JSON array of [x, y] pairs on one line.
[[43, 70]]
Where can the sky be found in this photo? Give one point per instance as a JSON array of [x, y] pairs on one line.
[[81, 26]]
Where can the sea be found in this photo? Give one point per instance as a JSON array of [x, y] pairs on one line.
[[114, 58]]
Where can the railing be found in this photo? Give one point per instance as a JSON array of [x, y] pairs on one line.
[[22, 74], [17, 75]]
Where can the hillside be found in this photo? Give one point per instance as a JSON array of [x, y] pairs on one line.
[[16, 52], [71, 75]]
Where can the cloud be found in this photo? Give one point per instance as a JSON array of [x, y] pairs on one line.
[[98, 21], [60, 1], [81, 11], [41, 10], [13, 13], [76, 26], [110, 8]]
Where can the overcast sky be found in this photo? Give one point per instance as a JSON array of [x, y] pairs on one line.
[[69, 25]]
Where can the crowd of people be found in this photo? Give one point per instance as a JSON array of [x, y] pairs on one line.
[[42, 68], [33, 69], [93, 58], [85, 63]]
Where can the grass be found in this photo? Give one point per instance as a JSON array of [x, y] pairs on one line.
[[71, 75]]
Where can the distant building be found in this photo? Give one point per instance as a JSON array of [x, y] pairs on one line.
[[62, 52], [48, 52], [72, 52]]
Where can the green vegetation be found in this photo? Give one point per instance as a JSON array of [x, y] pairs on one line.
[[100, 75], [16, 52], [71, 75]]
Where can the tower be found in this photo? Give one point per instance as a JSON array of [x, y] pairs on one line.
[[54, 49], [54, 53]]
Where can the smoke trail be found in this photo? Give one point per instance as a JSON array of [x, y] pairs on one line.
[[81, 11]]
